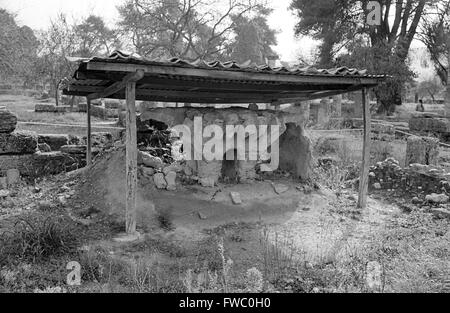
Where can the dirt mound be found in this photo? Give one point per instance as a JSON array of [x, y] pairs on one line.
[[103, 187]]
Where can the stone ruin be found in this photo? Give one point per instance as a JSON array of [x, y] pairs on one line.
[[103, 109], [294, 145], [416, 179], [430, 123], [32, 155]]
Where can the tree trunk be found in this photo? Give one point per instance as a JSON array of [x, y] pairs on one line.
[[447, 95], [56, 93]]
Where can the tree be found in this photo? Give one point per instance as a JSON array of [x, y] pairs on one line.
[[430, 87], [326, 20], [341, 23], [253, 39], [57, 43], [379, 60], [435, 34], [18, 49], [189, 29], [93, 37], [64, 39]]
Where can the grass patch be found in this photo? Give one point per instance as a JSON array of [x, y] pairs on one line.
[[37, 237]]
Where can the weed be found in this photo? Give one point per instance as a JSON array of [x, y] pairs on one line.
[[38, 237], [165, 220]]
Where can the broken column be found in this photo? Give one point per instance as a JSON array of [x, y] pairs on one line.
[[337, 106], [323, 114], [422, 150]]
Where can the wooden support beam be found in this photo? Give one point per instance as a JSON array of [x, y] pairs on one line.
[[364, 176], [117, 86], [199, 84], [88, 135], [319, 95], [131, 158]]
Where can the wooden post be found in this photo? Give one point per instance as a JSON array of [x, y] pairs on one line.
[[131, 158], [88, 137], [364, 178]]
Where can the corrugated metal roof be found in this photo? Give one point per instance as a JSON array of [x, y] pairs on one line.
[[178, 80], [121, 57]]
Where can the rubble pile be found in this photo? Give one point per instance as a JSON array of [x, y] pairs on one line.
[[161, 174], [417, 179]]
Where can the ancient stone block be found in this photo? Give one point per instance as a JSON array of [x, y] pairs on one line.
[[44, 107], [55, 141], [111, 103], [52, 163], [13, 176], [63, 109], [18, 142], [280, 188], [236, 197], [170, 179], [437, 198], [74, 149], [149, 160], [3, 183], [24, 163], [441, 213], [159, 180], [148, 171], [43, 147], [8, 121], [429, 124], [174, 167], [423, 150]]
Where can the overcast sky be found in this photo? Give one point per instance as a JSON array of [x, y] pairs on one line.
[[38, 13]]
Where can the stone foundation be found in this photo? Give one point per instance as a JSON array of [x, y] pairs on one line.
[[295, 147]]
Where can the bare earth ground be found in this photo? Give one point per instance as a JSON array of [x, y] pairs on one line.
[[302, 240], [195, 239]]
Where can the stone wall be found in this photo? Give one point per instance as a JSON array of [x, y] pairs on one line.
[[429, 123], [209, 173], [416, 179], [33, 155]]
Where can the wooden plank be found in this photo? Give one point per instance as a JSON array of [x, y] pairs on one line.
[[89, 135], [131, 159], [117, 86], [364, 177], [232, 75]]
